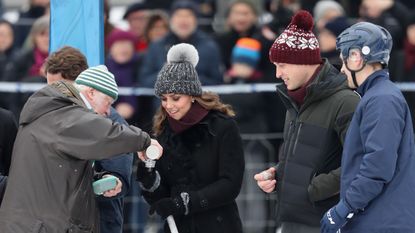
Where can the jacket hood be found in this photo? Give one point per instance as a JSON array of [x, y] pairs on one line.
[[48, 99], [327, 82]]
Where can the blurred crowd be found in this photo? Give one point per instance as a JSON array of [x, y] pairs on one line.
[[235, 50], [232, 39]]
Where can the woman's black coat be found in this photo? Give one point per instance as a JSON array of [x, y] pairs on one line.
[[207, 161]]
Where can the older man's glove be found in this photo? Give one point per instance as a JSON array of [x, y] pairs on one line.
[[178, 205], [336, 217]]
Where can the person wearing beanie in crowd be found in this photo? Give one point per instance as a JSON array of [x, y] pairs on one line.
[[200, 174], [378, 162], [124, 63], [137, 16], [49, 187], [327, 39], [319, 109], [245, 58]]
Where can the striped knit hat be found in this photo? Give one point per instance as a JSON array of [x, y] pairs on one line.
[[246, 51], [99, 78]]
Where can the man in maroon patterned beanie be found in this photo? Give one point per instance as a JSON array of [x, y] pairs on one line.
[[319, 108]]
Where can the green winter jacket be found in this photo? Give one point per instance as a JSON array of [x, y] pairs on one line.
[[308, 171]]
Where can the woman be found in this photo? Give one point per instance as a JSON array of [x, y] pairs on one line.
[[26, 65], [200, 173]]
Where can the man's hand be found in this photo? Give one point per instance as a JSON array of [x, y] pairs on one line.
[[335, 218], [266, 180], [113, 192]]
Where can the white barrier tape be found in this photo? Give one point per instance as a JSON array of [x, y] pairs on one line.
[[13, 87]]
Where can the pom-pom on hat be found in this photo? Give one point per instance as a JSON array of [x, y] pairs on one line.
[[297, 44], [99, 78], [246, 51], [179, 75]]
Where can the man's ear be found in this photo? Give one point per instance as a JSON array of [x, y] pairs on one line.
[[90, 92]]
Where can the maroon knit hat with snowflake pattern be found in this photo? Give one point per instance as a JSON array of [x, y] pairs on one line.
[[297, 44]]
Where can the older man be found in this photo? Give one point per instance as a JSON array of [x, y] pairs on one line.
[[66, 64], [49, 187]]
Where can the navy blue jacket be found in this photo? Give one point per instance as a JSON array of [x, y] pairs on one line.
[[111, 209], [378, 164]]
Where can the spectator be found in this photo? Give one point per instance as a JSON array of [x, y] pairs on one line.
[[200, 176], [245, 59], [36, 9], [378, 164], [124, 63], [409, 51], [6, 45], [108, 27], [137, 16], [241, 19], [7, 51], [327, 39], [27, 64], [281, 15], [319, 108], [157, 26], [326, 10]]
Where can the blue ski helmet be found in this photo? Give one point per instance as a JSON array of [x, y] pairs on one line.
[[374, 42]]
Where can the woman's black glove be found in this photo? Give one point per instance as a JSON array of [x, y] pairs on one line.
[[145, 177], [165, 207]]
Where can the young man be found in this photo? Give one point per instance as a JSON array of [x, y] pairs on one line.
[[378, 164], [319, 108]]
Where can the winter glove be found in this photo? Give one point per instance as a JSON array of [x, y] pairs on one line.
[[178, 205], [146, 178], [336, 217]]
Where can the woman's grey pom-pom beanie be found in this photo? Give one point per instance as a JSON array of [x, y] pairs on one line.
[[179, 75]]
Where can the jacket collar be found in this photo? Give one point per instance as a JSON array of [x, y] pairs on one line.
[[370, 81], [327, 82]]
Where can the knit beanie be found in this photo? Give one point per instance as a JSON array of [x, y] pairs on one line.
[[179, 75], [184, 4], [297, 44], [246, 51], [99, 78], [118, 35], [337, 25]]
